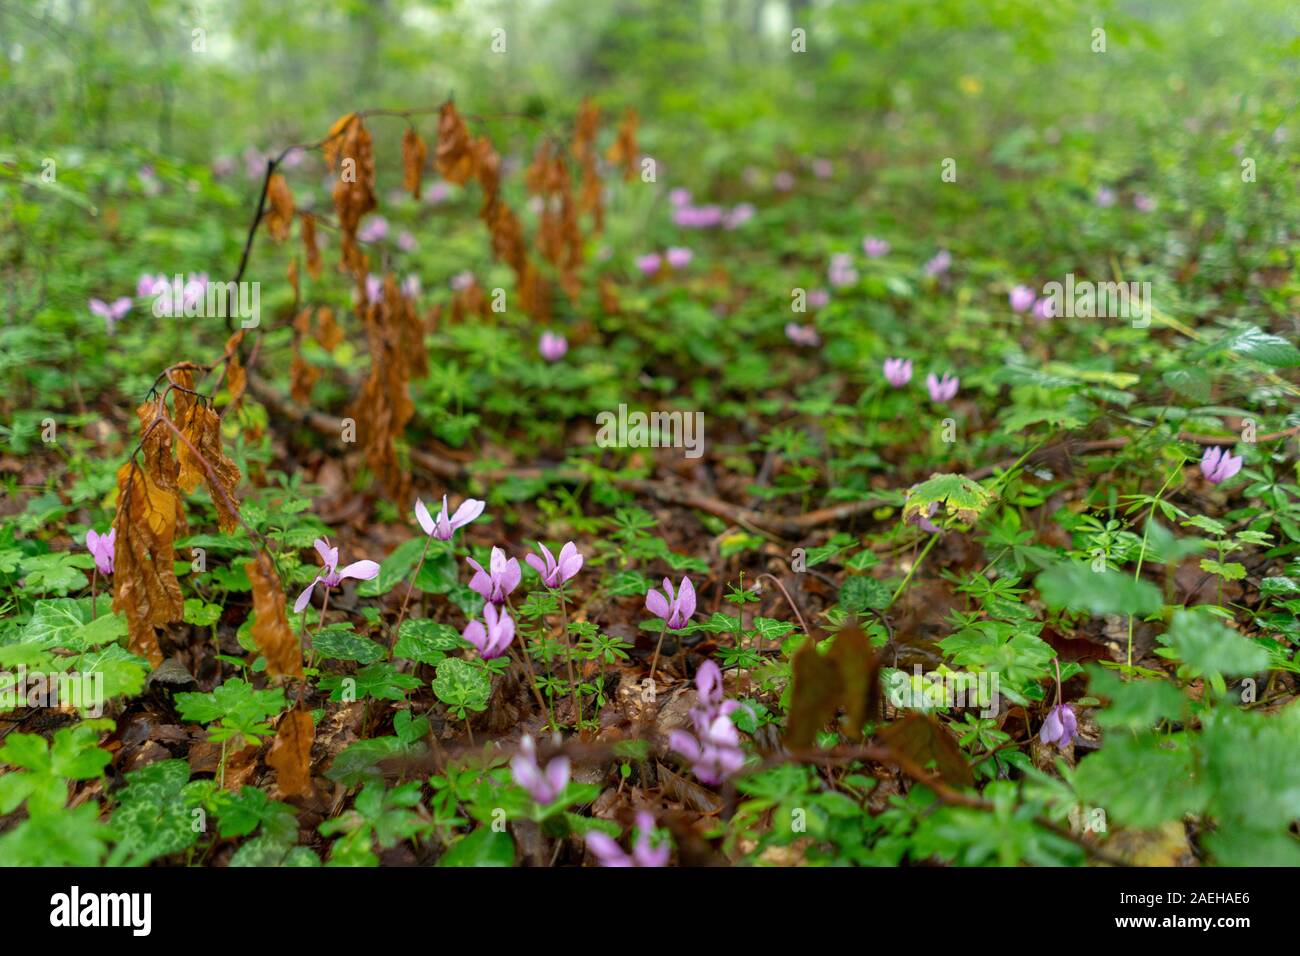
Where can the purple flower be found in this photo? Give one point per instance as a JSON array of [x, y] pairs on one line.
[[462, 281], [492, 640], [922, 520], [438, 192], [875, 248], [501, 577], [677, 608], [111, 314], [783, 181], [738, 216], [680, 197], [333, 577], [823, 168], [1143, 203], [374, 289], [374, 230], [698, 217], [406, 242], [1060, 727], [195, 286], [679, 257], [898, 372], [649, 263], [148, 285], [544, 786], [254, 163], [939, 264], [805, 335], [1021, 297], [1219, 464], [1043, 309], [411, 287], [841, 271], [818, 298], [942, 389], [552, 346], [608, 853], [443, 527], [714, 753], [100, 547], [1104, 197], [553, 572]]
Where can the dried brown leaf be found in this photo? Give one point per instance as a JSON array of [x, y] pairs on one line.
[[271, 631]]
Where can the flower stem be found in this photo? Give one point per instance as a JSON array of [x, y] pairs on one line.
[[409, 588], [655, 663], [568, 659]]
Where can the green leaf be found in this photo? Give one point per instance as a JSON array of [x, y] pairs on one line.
[[859, 593], [1207, 646], [1263, 347], [427, 642], [1142, 780], [72, 837], [462, 686], [1076, 586], [483, 847], [340, 642], [961, 497], [1135, 705], [68, 623], [380, 680]]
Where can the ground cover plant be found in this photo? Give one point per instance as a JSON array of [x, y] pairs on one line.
[[643, 438]]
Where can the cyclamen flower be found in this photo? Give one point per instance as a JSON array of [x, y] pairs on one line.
[[358, 570], [818, 298], [942, 389], [148, 285], [111, 314], [436, 193], [1143, 203], [443, 527], [922, 520], [499, 580], [875, 248], [1104, 197], [805, 335], [608, 853], [406, 242], [698, 217], [195, 287], [462, 281], [1060, 727], [714, 752], [783, 181], [679, 257], [100, 547], [1021, 297], [411, 286], [841, 271], [738, 216], [677, 608], [823, 168], [898, 372], [1219, 464], [649, 264], [680, 197], [552, 346], [553, 572], [374, 289], [374, 230], [1043, 309], [493, 635], [940, 263], [544, 786]]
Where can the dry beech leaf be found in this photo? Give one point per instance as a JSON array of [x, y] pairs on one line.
[[290, 754], [844, 678], [454, 154], [922, 739], [236, 376], [414, 155], [349, 154], [384, 405], [310, 249], [328, 333], [623, 151], [271, 630], [145, 588], [202, 459], [156, 445], [279, 218]]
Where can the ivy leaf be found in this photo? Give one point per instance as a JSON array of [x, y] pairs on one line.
[[340, 642], [58, 572], [427, 642], [68, 623], [462, 686]]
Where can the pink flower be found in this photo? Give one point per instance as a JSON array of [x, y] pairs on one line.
[[818, 298], [898, 372], [148, 285], [823, 168], [374, 289], [783, 181], [333, 577], [680, 197], [1060, 727], [406, 242], [841, 271], [462, 281], [922, 520], [941, 389], [1043, 309], [1104, 197], [436, 193], [1219, 464], [940, 263], [608, 853], [544, 786], [553, 572], [714, 752], [375, 230], [552, 346], [875, 248], [411, 287], [805, 335], [493, 640], [195, 287], [499, 580], [443, 527], [677, 608], [1143, 203], [738, 216], [111, 314], [698, 217], [679, 257], [100, 547], [649, 263], [1021, 298]]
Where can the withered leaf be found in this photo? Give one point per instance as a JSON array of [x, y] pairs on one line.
[[145, 588], [202, 458], [236, 376], [623, 151], [310, 249], [156, 445], [921, 739], [414, 155], [279, 218], [290, 754], [824, 684], [454, 154], [271, 631]]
